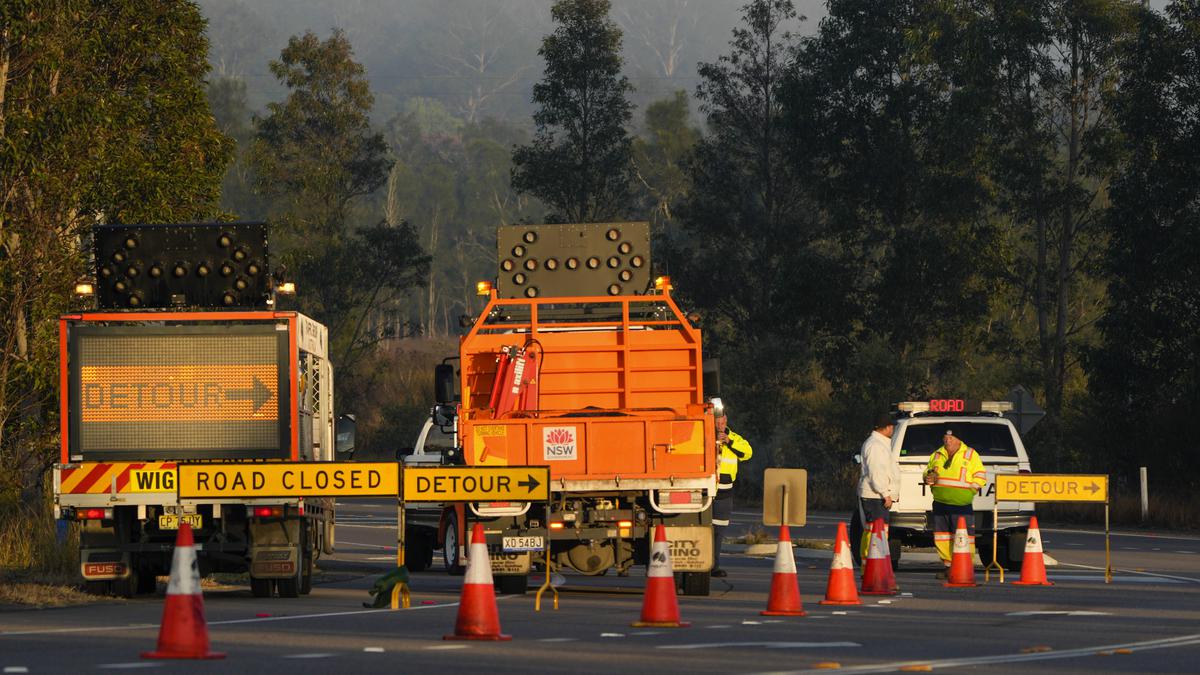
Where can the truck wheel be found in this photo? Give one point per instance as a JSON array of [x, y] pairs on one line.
[[127, 587], [97, 587], [260, 588], [450, 554], [696, 583], [513, 585], [418, 551]]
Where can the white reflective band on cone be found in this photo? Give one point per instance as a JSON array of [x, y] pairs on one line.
[[479, 565], [841, 559], [785, 562], [185, 577], [962, 543], [878, 548], [1033, 544], [660, 560]]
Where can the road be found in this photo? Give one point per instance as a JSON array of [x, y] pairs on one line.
[[1147, 621]]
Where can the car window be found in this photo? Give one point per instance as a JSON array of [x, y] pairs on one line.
[[989, 438]]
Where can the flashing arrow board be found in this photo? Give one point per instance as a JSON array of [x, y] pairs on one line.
[[476, 484], [289, 479], [1052, 487]]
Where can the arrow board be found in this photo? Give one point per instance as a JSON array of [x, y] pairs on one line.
[[476, 484]]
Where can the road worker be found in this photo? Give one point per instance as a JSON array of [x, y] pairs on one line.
[[879, 485], [955, 473], [731, 449]]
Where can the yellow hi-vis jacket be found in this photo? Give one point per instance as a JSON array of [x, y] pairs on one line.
[[732, 451], [958, 480]]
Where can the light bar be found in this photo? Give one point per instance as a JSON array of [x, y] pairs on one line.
[[913, 406], [996, 406]]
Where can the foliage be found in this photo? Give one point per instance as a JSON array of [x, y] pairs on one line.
[[659, 167], [579, 161], [103, 118]]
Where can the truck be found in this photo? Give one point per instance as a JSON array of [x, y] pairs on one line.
[[580, 362], [982, 425], [184, 358]]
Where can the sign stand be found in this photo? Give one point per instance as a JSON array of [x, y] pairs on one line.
[[537, 600], [1107, 547], [1050, 487], [987, 571], [401, 596]]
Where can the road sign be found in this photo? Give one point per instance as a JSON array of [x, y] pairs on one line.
[[1025, 413], [289, 479], [1051, 487], [476, 483], [795, 483]]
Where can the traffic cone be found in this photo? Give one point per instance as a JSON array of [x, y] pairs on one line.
[[184, 633], [840, 589], [660, 609], [878, 578], [962, 564], [785, 587], [1033, 566], [478, 618]]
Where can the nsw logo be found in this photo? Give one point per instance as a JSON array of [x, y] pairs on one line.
[[558, 443]]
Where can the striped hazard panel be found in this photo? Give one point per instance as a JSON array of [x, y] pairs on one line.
[[97, 477]]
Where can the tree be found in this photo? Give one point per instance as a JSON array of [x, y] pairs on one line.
[[227, 98], [103, 118], [1145, 373], [659, 163], [579, 160], [316, 155]]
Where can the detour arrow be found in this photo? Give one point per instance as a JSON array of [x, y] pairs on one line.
[[476, 484]]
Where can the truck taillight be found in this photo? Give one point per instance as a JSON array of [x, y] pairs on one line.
[[268, 511], [684, 496], [94, 514], [556, 525], [625, 523]]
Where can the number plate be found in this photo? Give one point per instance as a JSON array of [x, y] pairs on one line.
[[170, 521], [523, 543]]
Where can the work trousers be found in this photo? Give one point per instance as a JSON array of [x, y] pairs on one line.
[[722, 510], [945, 520]]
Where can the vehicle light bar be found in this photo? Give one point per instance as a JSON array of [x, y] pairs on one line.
[[954, 405]]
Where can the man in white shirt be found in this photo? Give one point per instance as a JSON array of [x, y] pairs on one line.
[[879, 486]]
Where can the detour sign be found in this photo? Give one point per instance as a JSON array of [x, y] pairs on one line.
[[289, 479], [1051, 487]]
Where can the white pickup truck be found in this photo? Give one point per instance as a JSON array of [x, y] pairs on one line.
[[982, 426]]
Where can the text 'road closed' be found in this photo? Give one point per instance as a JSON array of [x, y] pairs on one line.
[[291, 479], [476, 483]]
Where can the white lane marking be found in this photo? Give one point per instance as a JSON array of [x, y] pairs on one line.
[[884, 602], [720, 625], [1121, 579], [1130, 548], [98, 629], [751, 623], [16, 669], [1050, 612], [381, 557], [369, 527], [314, 655], [130, 665], [1120, 534], [443, 648], [647, 632], [373, 650], [768, 645], [1181, 641], [1148, 574], [558, 639], [612, 635], [1185, 552], [355, 543]]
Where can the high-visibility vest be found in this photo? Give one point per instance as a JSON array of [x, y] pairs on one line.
[[959, 479], [735, 450]]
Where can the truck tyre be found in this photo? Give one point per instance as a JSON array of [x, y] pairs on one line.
[[97, 587], [418, 550], [695, 583], [450, 553], [513, 585], [127, 587], [260, 588]]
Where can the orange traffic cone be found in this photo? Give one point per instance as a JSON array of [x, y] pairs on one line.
[[1033, 566], [962, 564], [785, 587], [478, 618], [841, 590], [184, 633], [878, 578], [660, 609]]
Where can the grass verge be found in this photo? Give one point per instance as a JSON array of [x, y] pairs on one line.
[[36, 569]]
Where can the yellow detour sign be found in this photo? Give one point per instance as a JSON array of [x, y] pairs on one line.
[[289, 479], [476, 484], [1051, 487]]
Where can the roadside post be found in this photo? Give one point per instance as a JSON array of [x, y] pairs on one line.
[[480, 484], [1053, 487]]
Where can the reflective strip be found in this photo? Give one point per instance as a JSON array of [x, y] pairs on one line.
[[660, 560], [1033, 544], [185, 577], [721, 523], [941, 536], [841, 559], [729, 460], [946, 482], [962, 543], [785, 562], [479, 565]]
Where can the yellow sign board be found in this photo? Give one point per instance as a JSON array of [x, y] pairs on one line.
[[152, 480], [1051, 487], [289, 479], [476, 484]]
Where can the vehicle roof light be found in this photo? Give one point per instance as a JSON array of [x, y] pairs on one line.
[[84, 289], [483, 288], [663, 283], [286, 288]]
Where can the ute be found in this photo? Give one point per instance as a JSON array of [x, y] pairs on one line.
[[185, 359], [581, 363]]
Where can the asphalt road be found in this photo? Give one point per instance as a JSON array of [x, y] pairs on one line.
[[1148, 620]]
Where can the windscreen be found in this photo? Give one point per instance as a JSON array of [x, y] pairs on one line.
[[991, 439], [189, 391]]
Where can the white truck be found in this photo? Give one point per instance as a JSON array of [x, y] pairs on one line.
[[982, 425]]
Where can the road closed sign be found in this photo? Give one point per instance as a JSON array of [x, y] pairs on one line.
[[476, 484], [1051, 487], [289, 479]]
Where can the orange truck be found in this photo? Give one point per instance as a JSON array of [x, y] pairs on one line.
[[578, 362], [185, 359]]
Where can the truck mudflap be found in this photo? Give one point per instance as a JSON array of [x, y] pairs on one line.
[[691, 548], [275, 549], [104, 564], [505, 563]]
